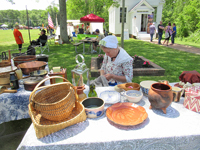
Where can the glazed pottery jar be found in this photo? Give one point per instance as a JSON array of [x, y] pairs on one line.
[[160, 96], [80, 93]]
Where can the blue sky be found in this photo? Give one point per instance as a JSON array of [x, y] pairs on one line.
[[31, 4]]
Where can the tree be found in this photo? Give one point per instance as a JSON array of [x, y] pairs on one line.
[[63, 21]]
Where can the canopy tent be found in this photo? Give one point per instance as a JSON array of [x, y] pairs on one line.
[[4, 25], [91, 18], [95, 21]]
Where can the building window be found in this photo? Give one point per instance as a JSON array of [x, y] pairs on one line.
[[121, 15]]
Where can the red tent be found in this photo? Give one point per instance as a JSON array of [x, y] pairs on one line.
[[91, 18]]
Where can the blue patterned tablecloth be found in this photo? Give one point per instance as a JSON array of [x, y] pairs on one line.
[[178, 129], [14, 106]]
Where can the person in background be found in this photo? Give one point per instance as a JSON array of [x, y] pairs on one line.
[[168, 29], [173, 34], [47, 29], [160, 32], [152, 31], [18, 37], [117, 66], [96, 41], [105, 32], [41, 37]]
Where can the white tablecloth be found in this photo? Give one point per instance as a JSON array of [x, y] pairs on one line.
[[178, 129]]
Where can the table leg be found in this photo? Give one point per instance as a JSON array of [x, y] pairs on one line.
[[83, 47], [91, 47]]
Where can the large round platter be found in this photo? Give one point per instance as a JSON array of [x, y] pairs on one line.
[[7, 69], [126, 114], [110, 97]]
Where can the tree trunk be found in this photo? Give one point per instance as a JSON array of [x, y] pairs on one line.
[[122, 33], [63, 21]]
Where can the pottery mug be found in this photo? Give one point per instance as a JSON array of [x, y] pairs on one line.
[[163, 81], [176, 94]]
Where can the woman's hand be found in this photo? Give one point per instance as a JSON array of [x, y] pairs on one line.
[[108, 76]]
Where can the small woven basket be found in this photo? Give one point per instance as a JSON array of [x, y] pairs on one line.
[[55, 102], [44, 127]]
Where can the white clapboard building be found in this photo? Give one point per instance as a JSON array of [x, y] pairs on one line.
[[138, 16]]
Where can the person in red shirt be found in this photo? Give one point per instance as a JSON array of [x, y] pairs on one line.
[[18, 37]]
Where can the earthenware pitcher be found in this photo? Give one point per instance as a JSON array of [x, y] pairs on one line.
[[160, 96]]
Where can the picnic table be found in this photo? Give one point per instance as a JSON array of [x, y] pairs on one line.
[[177, 129], [90, 41]]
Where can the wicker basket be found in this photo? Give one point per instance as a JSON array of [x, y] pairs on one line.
[[55, 102], [44, 127], [125, 86]]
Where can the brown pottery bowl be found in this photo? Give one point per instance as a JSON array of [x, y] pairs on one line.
[[29, 67]]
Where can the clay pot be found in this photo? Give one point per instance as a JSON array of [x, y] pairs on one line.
[[81, 95], [160, 96]]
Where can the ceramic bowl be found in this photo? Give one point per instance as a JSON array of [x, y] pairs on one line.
[[146, 85], [129, 86], [133, 96], [94, 107]]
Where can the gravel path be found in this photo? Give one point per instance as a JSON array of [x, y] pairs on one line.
[[189, 49]]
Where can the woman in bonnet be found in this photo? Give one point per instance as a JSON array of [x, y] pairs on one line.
[[117, 66]]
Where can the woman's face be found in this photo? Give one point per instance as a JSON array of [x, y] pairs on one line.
[[111, 52]]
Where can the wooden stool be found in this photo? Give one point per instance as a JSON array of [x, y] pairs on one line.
[[62, 73]]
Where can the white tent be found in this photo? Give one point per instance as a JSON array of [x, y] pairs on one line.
[[4, 25], [74, 22], [96, 25]]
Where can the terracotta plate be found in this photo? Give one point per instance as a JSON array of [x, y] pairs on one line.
[[126, 114]]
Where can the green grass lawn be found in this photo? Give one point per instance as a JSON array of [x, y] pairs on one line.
[[174, 62], [185, 42]]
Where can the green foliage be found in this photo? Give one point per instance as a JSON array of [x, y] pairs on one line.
[[36, 17], [184, 13], [79, 8]]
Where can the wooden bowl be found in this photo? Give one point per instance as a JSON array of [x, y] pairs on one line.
[[22, 59], [126, 86], [29, 67]]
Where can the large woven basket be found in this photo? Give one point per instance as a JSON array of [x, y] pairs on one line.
[[44, 127], [55, 101]]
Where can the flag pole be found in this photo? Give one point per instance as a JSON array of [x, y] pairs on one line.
[[28, 25]]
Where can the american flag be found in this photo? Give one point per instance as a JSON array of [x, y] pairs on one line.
[[50, 22]]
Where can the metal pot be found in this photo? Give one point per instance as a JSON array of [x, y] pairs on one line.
[[42, 57], [39, 73], [31, 82]]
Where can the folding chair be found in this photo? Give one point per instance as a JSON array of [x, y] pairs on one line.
[[44, 45]]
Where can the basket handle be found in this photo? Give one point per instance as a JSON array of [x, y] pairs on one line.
[[37, 86]]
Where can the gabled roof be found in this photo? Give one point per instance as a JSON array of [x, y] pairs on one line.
[[141, 3]]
